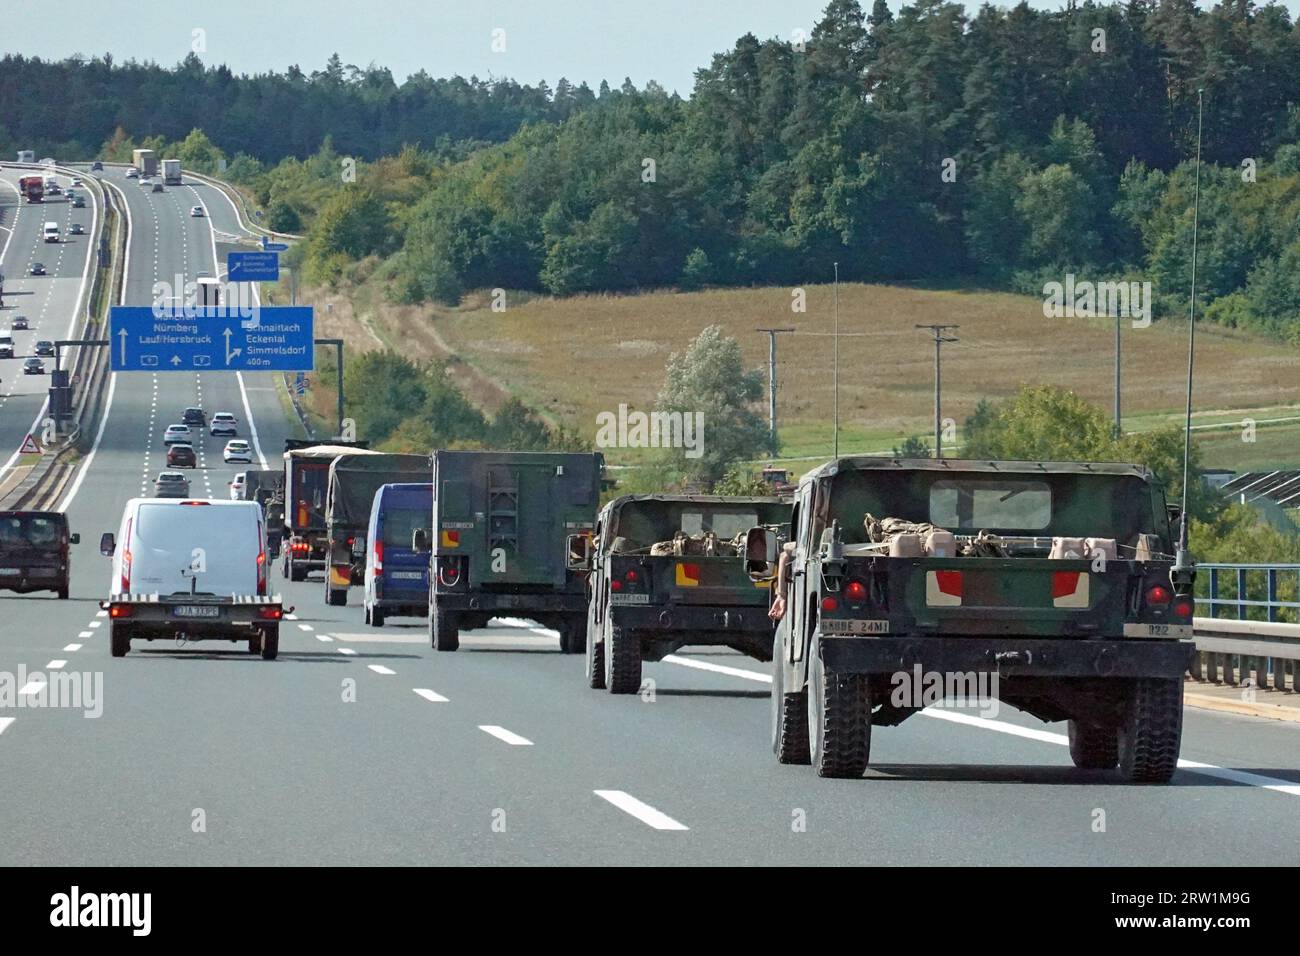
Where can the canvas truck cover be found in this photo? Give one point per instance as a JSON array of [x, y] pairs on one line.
[[306, 488], [512, 511], [354, 479]]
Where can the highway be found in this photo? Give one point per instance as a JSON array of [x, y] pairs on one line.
[[52, 303], [364, 746]]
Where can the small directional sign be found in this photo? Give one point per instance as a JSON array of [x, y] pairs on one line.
[[268, 246], [252, 267], [263, 339], [30, 445]]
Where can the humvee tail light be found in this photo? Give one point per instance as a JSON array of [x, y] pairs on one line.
[[830, 604], [855, 592], [1159, 595], [1183, 607]]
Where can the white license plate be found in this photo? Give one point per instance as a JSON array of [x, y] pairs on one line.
[[196, 610], [407, 575], [11, 570], [629, 599], [854, 626], [1158, 630]]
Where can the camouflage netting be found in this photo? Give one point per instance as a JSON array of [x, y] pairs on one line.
[[705, 545]]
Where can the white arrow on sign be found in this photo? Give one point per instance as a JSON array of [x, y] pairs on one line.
[[176, 360], [230, 354], [122, 339]]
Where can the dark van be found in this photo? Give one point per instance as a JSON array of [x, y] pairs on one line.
[[397, 575], [34, 551]]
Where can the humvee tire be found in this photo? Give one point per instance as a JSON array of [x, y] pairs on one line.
[[622, 660], [789, 715], [1152, 729], [1092, 747], [270, 642], [119, 639], [375, 616], [295, 572], [334, 597], [839, 721], [444, 632], [595, 660], [573, 637], [255, 644]]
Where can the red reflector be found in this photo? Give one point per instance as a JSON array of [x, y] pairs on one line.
[[855, 592], [270, 612], [1183, 607], [631, 575], [119, 610], [949, 582], [615, 584], [1064, 583], [1159, 595], [829, 603]]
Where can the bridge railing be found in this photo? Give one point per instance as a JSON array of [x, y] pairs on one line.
[[1247, 627]]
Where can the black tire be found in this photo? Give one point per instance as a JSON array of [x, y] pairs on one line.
[[284, 566], [446, 635], [1152, 731], [622, 660], [595, 660], [270, 642], [375, 616], [297, 573], [334, 597], [839, 721], [255, 644], [63, 593], [1092, 747], [789, 715], [573, 637], [119, 639]]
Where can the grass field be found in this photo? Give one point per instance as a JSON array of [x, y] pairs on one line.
[[573, 358]]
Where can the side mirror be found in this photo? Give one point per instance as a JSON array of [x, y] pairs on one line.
[[760, 551], [74, 538], [420, 540], [107, 544], [578, 547]]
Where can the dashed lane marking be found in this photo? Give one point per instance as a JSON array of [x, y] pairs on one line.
[[510, 737], [432, 697], [641, 810]]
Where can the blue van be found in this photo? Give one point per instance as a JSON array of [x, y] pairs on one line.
[[397, 576]]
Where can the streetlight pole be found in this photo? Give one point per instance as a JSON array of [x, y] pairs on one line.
[[835, 427], [940, 337], [1119, 427]]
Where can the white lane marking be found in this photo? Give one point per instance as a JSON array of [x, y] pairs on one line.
[[719, 668], [57, 665], [5, 722], [305, 627], [381, 669], [31, 687], [85, 634], [291, 617], [252, 425], [509, 737], [101, 614], [641, 810], [432, 697], [324, 637], [347, 650], [72, 647], [94, 624]]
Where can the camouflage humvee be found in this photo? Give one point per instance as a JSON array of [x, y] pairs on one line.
[[1049, 580], [665, 573]]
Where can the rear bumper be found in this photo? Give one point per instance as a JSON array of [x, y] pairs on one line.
[[517, 604], [1008, 656], [156, 618], [705, 618], [35, 580]]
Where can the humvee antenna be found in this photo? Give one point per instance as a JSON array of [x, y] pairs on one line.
[[1182, 558]]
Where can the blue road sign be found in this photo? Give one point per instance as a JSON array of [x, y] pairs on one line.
[[265, 339], [268, 246], [252, 267]]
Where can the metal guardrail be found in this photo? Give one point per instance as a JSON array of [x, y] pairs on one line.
[[1255, 646]]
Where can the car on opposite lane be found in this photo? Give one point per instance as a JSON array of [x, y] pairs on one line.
[[237, 450], [79, 202], [182, 455], [19, 323], [171, 484], [76, 229], [37, 269], [224, 423], [76, 181], [33, 366], [196, 212], [177, 434], [96, 167], [132, 173], [43, 347]]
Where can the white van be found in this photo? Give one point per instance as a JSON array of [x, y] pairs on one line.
[[191, 567], [51, 231], [6, 345]]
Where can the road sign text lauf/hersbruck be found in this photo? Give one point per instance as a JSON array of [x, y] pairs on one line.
[[268, 339]]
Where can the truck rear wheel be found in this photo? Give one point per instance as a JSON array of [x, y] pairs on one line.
[[255, 644], [446, 636], [573, 636], [375, 616], [622, 660], [1092, 747], [119, 639], [296, 573], [839, 721], [270, 643], [789, 715], [1152, 731], [595, 660]]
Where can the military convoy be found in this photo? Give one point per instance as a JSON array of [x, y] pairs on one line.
[[667, 571]]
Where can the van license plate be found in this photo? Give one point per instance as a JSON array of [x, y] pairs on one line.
[[408, 575], [11, 570], [197, 610]]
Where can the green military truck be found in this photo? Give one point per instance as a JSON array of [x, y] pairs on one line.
[[664, 574], [266, 487], [353, 481], [500, 523], [1052, 578], [306, 485]]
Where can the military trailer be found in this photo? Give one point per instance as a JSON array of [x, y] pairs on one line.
[[353, 481], [500, 521], [1047, 582], [306, 487], [665, 573]]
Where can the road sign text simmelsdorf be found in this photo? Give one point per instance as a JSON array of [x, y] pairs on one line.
[[214, 339]]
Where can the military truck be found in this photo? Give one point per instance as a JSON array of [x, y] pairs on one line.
[[266, 487], [501, 521], [306, 486], [353, 481], [664, 574], [1052, 577]]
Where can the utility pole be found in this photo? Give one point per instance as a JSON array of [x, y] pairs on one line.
[[337, 344], [771, 382], [940, 337], [835, 428], [1119, 427]]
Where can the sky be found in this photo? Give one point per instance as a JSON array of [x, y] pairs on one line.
[[582, 40]]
